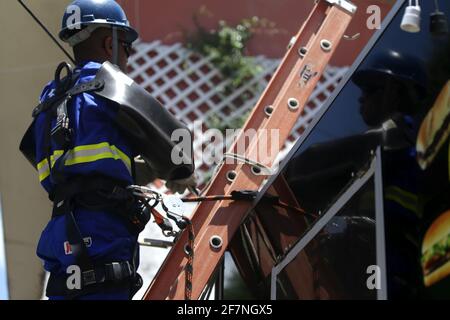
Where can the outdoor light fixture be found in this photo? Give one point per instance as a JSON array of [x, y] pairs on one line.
[[438, 22], [411, 19]]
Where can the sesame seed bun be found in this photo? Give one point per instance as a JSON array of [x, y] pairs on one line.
[[439, 230], [435, 129]]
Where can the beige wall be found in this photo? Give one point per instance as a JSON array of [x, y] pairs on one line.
[[27, 62]]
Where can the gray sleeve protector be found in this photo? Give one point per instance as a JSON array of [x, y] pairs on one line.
[[148, 125]]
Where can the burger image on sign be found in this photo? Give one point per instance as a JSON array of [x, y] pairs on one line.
[[436, 250], [435, 129]]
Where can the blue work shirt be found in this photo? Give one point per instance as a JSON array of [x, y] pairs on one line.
[[98, 148], [98, 145]]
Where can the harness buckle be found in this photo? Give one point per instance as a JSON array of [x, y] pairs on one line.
[[117, 270], [89, 277]]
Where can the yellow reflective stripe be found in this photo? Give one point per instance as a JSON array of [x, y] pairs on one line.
[[43, 168], [404, 198], [123, 156], [84, 154], [94, 152], [56, 153]]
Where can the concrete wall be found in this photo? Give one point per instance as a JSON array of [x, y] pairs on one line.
[[27, 62]]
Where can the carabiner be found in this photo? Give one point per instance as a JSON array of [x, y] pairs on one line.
[[63, 84]]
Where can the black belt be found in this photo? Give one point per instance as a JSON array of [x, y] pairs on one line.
[[111, 274], [92, 192]]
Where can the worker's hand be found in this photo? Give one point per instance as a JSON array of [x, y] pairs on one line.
[[181, 184]]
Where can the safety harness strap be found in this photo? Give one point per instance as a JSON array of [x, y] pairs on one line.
[[90, 86], [79, 250], [57, 106]]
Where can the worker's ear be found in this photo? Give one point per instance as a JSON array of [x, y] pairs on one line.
[[108, 46]]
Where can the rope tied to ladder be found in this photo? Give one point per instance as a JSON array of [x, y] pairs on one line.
[[189, 268]]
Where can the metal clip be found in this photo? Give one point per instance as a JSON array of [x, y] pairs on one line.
[[353, 37], [144, 192], [174, 208], [344, 4], [117, 270], [156, 243], [260, 168], [291, 42], [306, 75]]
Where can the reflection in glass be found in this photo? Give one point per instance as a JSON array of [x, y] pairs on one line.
[[335, 262], [397, 99]]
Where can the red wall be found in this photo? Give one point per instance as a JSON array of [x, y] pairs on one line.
[[165, 20]]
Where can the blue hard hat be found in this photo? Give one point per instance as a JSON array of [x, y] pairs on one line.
[[403, 67], [95, 13]]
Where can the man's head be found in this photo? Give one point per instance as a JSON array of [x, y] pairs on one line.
[[100, 47], [392, 83], [98, 30], [380, 100]]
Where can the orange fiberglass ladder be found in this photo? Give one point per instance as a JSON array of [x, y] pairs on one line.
[[215, 223]]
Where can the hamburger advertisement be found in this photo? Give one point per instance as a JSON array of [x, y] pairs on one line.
[[435, 129], [436, 250]]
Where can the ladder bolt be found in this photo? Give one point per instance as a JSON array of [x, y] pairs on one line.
[[216, 242]]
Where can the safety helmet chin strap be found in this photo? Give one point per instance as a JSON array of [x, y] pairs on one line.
[[115, 46]]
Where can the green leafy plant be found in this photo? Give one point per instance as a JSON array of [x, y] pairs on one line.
[[215, 121], [226, 46]]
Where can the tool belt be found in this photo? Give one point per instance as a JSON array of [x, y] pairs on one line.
[[96, 193], [100, 193], [110, 276]]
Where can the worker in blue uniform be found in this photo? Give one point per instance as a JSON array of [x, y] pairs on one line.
[[394, 85], [86, 166]]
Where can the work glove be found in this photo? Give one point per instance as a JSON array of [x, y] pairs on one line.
[[180, 185]]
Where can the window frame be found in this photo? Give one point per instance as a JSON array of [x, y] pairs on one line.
[[374, 171]]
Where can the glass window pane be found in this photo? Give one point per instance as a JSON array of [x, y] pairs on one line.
[[334, 264], [397, 99]]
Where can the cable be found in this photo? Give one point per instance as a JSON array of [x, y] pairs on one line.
[[233, 197], [436, 3], [46, 30], [208, 198]]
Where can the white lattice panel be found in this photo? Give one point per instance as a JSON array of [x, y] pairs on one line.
[[192, 89]]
